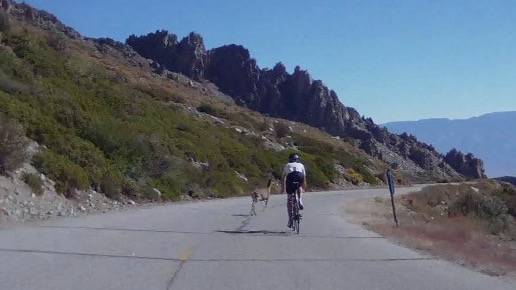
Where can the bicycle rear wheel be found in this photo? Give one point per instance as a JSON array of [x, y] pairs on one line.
[[297, 218]]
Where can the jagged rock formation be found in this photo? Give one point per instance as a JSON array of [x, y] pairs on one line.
[[7, 5], [466, 165], [187, 56], [294, 96]]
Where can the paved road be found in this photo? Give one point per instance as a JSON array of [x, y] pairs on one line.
[[215, 245]]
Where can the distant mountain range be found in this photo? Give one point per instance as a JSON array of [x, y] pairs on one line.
[[491, 137], [509, 179]]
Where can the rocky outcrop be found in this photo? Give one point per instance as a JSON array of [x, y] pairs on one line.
[[6, 5], [187, 56], [277, 93], [465, 164], [191, 56], [40, 18]]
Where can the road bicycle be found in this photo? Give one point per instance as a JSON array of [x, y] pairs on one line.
[[296, 216]]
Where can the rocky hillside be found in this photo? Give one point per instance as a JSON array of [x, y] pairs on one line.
[[109, 120], [293, 96]]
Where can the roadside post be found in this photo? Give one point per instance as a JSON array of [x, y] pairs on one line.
[[392, 189]]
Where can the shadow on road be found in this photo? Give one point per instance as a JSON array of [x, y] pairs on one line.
[[264, 232]]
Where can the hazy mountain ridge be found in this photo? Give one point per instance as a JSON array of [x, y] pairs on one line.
[[491, 137]]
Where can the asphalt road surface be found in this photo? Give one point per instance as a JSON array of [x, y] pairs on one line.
[[216, 245]]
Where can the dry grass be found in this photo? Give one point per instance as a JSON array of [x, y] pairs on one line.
[[13, 145], [488, 204], [426, 225]]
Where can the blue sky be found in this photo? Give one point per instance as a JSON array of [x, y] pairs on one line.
[[391, 60]]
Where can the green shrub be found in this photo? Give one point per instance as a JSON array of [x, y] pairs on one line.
[[281, 130], [327, 167], [35, 51], [507, 193], [478, 204], [67, 175], [211, 110], [171, 186], [263, 126], [486, 207], [183, 127], [485, 202], [4, 21], [13, 145], [150, 193], [316, 178], [7, 84], [57, 40], [499, 224], [354, 177], [34, 182], [111, 184], [328, 154], [313, 146], [224, 183], [366, 174], [511, 205], [242, 119]]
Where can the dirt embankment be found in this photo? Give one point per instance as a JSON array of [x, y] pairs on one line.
[[19, 203], [446, 222]]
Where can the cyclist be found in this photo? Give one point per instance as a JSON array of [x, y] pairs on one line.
[[293, 181]]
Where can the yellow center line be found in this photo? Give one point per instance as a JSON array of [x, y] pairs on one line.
[[185, 253]]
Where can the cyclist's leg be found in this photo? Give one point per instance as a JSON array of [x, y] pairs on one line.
[[253, 208], [298, 202], [299, 195], [291, 198]]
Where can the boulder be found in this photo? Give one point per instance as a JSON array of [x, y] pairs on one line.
[[6, 5], [465, 164]]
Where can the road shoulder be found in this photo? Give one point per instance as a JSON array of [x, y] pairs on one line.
[[453, 240]]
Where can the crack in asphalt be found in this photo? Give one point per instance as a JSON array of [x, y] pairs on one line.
[[184, 256], [265, 232], [183, 260], [127, 230], [239, 230], [290, 234], [174, 275], [244, 223]]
